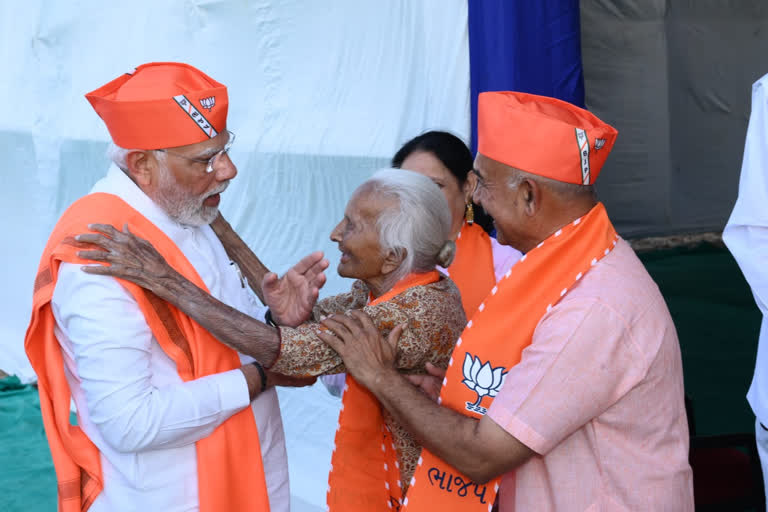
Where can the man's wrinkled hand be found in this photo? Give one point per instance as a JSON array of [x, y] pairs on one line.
[[369, 358], [291, 298], [429, 384]]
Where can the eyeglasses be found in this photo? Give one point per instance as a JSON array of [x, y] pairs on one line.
[[479, 182], [210, 162]]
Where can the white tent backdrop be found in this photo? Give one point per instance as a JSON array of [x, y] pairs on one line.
[[321, 94]]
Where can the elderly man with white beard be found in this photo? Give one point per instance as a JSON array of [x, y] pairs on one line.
[[168, 417]]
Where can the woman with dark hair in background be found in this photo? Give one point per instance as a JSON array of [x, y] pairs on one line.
[[480, 260]]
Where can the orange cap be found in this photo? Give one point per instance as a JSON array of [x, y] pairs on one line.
[[543, 136], [161, 105]]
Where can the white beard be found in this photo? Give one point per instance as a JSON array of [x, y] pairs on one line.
[[180, 205]]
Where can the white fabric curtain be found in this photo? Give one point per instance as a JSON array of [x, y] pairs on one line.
[[321, 94]]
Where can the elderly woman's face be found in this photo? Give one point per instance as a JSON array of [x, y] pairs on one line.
[[358, 237]]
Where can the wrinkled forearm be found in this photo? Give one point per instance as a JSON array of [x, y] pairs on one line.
[[239, 331], [455, 438], [304, 354], [239, 252]]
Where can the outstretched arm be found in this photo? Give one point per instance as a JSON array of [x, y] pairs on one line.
[[291, 297], [480, 449], [239, 252], [136, 260]]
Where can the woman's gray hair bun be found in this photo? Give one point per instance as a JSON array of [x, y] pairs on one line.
[[417, 223], [445, 256]]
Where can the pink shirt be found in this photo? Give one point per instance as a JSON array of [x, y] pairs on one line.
[[598, 396]]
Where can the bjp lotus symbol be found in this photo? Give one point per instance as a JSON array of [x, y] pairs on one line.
[[208, 102], [483, 380]]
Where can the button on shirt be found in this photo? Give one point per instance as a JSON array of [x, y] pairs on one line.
[[130, 400], [598, 395]]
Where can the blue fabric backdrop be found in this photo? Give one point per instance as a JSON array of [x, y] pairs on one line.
[[530, 46]]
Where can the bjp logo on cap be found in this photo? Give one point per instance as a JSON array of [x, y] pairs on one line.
[[209, 102]]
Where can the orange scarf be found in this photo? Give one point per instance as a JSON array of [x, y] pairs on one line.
[[477, 369], [365, 474], [472, 269], [229, 466]]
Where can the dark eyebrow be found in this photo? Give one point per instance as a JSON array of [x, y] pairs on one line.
[[477, 173]]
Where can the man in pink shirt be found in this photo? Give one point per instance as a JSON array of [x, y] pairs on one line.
[[576, 345]]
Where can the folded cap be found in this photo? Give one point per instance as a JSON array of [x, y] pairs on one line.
[[161, 105], [543, 136]]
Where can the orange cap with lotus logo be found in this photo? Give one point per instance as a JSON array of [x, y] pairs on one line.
[[161, 105], [543, 136]]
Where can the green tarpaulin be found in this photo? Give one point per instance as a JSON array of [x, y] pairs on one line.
[[718, 325], [27, 479]]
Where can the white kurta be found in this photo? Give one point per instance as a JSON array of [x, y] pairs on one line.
[[746, 234], [130, 400]]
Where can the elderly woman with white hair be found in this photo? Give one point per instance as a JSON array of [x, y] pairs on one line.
[[395, 231]]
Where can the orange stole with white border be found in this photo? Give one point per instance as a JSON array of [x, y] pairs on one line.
[[493, 342], [230, 472]]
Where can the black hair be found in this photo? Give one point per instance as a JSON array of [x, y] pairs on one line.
[[453, 154]]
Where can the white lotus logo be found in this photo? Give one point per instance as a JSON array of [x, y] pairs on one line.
[[482, 379], [208, 102]]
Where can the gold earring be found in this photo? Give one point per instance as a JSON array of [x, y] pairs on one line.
[[469, 213]]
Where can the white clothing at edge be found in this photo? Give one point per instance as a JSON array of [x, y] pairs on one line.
[[746, 236], [130, 399]]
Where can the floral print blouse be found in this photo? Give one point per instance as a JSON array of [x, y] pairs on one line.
[[435, 319]]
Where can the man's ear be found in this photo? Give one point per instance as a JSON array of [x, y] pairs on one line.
[[531, 196], [141, 165], [392, 260]]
